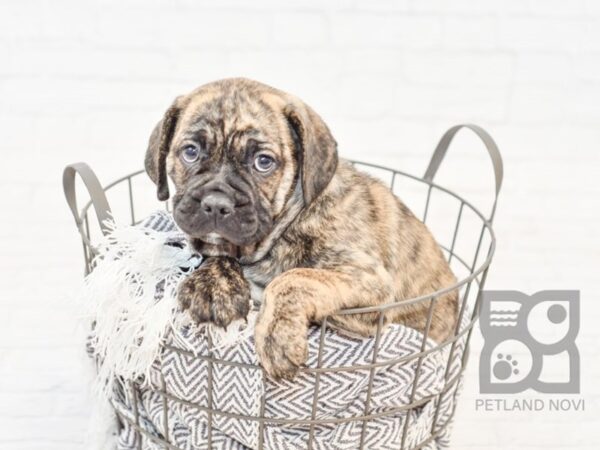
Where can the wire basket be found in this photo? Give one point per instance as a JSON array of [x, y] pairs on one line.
[[469, 245]]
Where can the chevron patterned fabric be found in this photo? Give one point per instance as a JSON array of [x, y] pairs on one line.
[[342, 397]]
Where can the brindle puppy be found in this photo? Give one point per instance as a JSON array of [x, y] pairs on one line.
[[258, 178]]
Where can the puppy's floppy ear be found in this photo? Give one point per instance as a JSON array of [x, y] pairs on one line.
[[158, 148], [318, 149]]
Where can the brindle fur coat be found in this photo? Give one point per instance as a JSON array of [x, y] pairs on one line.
[[304, 238]]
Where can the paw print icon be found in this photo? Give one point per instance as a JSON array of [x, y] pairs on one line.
[[529, 342]]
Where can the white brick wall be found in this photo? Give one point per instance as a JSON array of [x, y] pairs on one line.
[[88, 80]]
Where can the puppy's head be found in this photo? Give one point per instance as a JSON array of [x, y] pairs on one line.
[[235, 150]]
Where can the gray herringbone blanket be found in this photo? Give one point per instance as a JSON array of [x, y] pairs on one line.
[[342, 395]]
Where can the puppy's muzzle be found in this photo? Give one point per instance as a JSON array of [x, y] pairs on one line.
[[215, 211]]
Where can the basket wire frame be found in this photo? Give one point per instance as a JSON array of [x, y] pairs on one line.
[[476, 273]]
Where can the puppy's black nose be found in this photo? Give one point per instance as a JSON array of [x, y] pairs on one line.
[[217, 204]]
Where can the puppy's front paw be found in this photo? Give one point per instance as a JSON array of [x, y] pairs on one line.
[[216, 292], [281, 345]]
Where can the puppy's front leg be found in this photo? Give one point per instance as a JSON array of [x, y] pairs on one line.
[[300, 296], [216, 292]]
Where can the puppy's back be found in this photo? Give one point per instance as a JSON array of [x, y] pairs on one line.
[[409, 253]]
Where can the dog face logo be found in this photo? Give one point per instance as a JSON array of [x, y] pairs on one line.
[[529, 342]]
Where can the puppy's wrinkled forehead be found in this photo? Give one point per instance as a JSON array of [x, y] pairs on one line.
[[229, 114]]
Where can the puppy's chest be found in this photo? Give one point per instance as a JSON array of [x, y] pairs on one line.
[[281, 258], [259, 276]]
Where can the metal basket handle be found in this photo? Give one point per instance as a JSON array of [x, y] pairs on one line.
[[97, 196], [490, 145]]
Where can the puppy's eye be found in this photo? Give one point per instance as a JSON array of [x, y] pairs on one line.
[[190, 154], [263, 162]]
